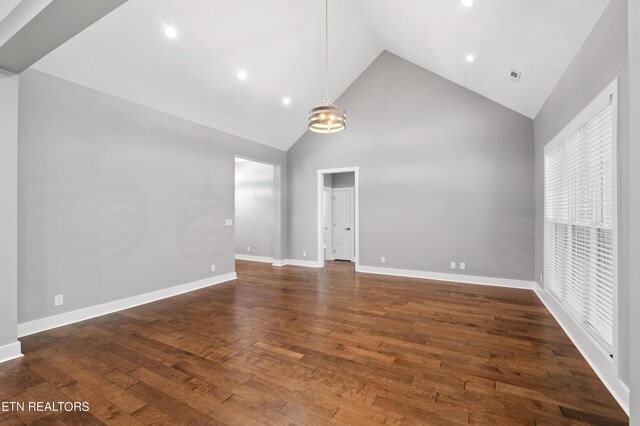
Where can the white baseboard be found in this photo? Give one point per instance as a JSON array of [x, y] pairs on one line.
[[278, 262], [42, 324], [252, 258], [597, 358], [441, 276], [10, 351], [306, 263]]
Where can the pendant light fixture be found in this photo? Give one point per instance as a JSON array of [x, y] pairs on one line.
[[327, 118]]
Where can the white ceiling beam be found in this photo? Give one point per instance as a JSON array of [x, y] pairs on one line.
[[37, 27]]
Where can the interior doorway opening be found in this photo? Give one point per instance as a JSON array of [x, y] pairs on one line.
[[338, 215], [257, 211]]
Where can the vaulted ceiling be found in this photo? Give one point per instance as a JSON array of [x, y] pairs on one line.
[[279, 44]]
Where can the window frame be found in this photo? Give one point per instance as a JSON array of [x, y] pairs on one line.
[[609, 96]]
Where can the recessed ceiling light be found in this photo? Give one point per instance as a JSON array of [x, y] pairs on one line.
[[286, 100], [242, 75], [170, 31], [467, 3], [469, 58]]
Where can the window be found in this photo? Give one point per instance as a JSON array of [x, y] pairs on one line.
[[580, 218]]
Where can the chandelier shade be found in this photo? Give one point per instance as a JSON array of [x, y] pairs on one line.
[[327, 118]]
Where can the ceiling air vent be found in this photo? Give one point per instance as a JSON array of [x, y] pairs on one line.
[[514, 76]]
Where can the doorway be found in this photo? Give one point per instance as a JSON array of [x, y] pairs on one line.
[[338, 228], [257, 217]]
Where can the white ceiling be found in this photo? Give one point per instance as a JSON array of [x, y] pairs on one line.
[[6, 7], [539, 38], [280, 45]]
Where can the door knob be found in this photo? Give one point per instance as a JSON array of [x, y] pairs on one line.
[[347, 229]]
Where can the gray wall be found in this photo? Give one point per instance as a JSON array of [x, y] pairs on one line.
[[343, 180], [603, 57], [254, 208], [445, 175], [634, 204], [116, 199], [8, 206]]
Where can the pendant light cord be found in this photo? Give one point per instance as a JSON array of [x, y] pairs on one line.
[[326, 50]]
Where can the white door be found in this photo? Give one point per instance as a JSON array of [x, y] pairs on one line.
[[326, 223], [343, 224]]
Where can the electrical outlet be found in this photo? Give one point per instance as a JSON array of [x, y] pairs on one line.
[[382, 259], [463, 265], [453, 265], [213, 268], [248, 249], [228, 222], [304, 253], [58, 300]]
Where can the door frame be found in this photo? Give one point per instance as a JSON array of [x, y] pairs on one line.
[[351, 190], [356, 212], [329, 243]]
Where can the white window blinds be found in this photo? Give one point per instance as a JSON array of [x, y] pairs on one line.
[[579, 222]]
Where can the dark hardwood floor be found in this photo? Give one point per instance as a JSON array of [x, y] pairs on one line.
[[298, 345]]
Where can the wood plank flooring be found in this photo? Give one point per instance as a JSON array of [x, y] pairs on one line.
[[296, 345]]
